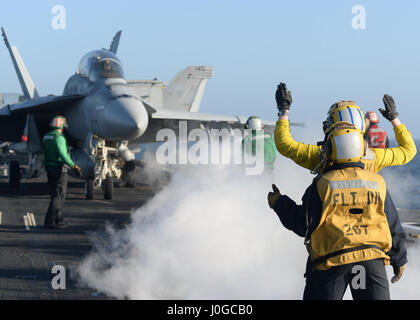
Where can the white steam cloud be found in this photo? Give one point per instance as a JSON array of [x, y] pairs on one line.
[[408, 287], [208, 234]]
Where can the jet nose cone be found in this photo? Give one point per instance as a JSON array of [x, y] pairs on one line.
[[125, 119]]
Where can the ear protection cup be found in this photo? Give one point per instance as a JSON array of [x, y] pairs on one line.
[[344, 143]]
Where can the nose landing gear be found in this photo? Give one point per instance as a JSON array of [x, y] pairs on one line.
[[107, 167]]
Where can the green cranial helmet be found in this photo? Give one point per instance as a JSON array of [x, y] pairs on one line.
[[254, 123]]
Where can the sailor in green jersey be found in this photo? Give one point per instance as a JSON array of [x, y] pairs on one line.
[[56, 160], [254, 123]]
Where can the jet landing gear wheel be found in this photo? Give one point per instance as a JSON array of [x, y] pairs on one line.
[[108, 186], [14, 175], [89, 189], [130, 174]]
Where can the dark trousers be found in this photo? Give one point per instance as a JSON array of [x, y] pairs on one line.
[[57, 182], [367, 281]]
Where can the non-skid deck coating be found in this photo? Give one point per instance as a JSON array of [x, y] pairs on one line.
[[28, 252]]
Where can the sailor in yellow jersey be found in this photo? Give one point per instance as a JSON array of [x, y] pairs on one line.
[[308, 156], [351, 228]]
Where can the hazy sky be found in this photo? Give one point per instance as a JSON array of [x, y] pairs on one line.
[[310, 45]]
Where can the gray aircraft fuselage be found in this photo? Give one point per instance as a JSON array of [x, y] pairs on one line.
[[111, 109]]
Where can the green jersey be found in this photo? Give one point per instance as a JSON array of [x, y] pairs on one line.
[[270, 150], [54, 147]]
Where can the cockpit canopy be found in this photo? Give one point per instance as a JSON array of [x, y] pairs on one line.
[[100, 64]]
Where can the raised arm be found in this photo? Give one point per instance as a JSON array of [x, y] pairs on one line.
[[406, 149], [305, 155]]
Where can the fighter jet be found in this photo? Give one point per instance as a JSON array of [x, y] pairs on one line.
[[108, 116]]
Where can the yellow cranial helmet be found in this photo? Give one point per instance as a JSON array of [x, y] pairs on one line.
[[347, 111], [344, 143]]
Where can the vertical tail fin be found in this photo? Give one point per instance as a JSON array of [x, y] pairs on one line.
[[26, 83], [186, 89]]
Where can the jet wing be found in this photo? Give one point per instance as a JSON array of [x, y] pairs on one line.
[[13, 116], [169, 119], [205, 117], [44, 104], [186, 115]]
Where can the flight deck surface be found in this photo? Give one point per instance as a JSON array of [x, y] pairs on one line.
[[28, 252]]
